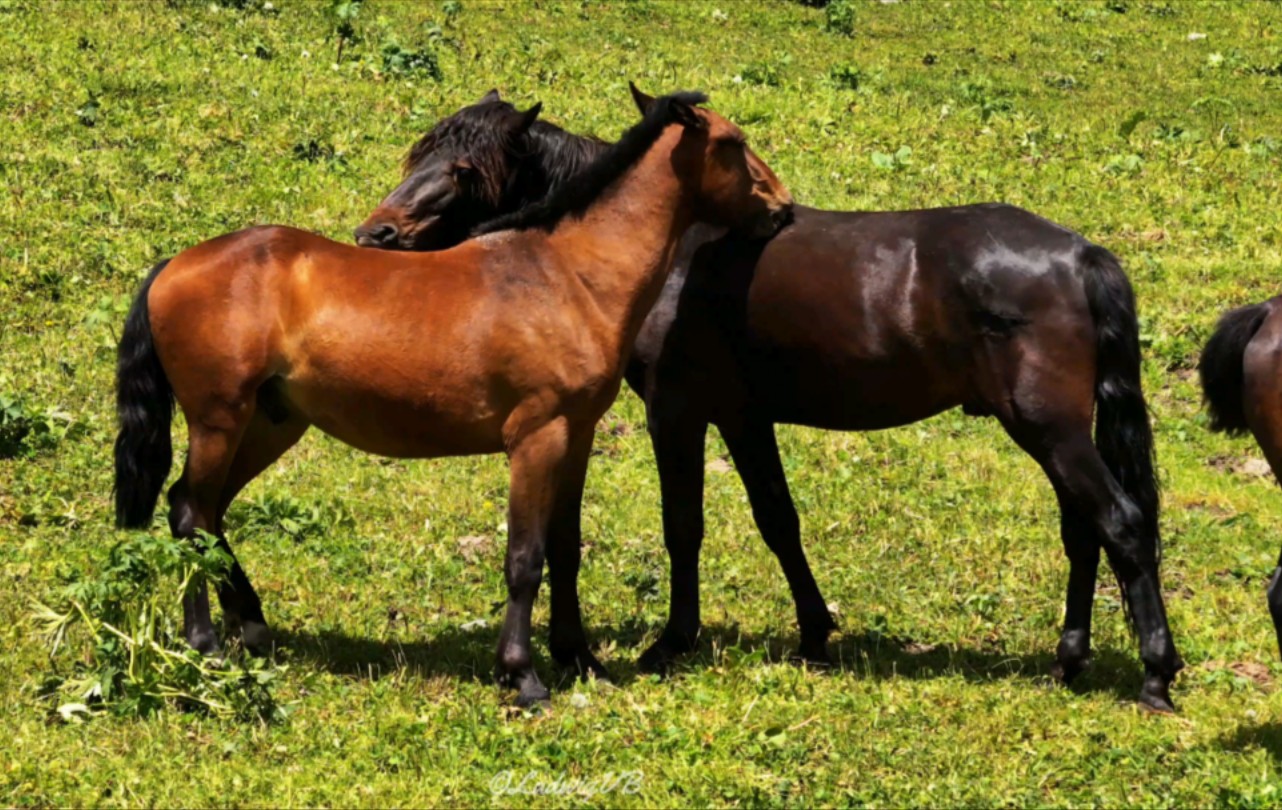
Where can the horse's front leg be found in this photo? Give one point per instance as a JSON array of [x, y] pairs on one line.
[[537, 466], [678, 439], [567, 640]]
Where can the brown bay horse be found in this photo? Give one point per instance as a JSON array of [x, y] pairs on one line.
[[515, 342], [856, 321], [1241, 373]]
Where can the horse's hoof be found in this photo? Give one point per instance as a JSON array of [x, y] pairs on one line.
[[813, 653], [659, 659], [589, 667], [1156, 697], [1066, 671], [257, 638], [206, 643], [532, 694]]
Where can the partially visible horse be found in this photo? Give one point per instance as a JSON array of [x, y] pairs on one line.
[[514, 342], [859, 321], [1241, 372]]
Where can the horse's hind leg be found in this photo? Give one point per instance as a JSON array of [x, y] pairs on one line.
[[1076, 469], [756, 456], [193, 505], [1081, 545], [265, 440]]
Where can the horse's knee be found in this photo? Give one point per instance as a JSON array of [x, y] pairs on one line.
[[524, 574]]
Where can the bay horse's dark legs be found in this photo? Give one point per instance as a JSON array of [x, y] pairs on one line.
[[264, 441], [678, 441], [193, 503], [756, 457], [537, 465], [1081, 545], [1074, 465], [223, 462], [567, 640]]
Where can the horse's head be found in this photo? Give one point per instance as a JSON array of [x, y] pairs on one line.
[[735, 188], [455, 177]]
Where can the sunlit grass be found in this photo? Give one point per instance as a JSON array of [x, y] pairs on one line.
[[937, 543]]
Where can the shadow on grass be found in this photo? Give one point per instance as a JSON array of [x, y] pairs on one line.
[[468, 653], [1267, 736]]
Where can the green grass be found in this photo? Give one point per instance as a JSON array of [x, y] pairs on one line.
[[937, 543]]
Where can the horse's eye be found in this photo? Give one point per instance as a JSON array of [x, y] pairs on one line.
[[462, 171]]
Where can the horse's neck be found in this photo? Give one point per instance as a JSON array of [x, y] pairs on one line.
[[623, 245]]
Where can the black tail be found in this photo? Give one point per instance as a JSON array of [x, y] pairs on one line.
[[145, 408], [1220, 366], [1123, 435]]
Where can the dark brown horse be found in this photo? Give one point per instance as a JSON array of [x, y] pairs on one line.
[[1241, 371], [862, 321], [512, 343]]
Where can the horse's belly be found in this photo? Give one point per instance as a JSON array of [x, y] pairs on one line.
[[399, 427], [850, 395]]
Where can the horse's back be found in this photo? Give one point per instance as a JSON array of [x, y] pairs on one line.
[[859, 320]]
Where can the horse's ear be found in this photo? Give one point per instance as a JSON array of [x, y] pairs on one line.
[[522, 120], [685, 115], [489, 97], [643, 102]]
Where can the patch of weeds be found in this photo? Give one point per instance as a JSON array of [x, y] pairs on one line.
[[987, 98], [1060, 81], [1124, 164], [401, 62], [1160, 9], [87, 113], [893, 161], [120, 629], [644, 583], [314, 151], [344, 14], [839, 17], [1174, 133], [1129, 124], [1264, 146], [765, 73], [287, 517], [847, 77], [26, 431], [1233, 59]]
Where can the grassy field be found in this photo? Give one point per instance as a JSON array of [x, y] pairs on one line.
[[132, 130]]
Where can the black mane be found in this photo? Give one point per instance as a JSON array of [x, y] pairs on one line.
[[551, 156], [574, 197]]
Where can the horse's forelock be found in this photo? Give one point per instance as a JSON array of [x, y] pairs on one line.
[[474, 132]]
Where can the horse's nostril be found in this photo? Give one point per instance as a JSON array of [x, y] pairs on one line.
[[377, 235]]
